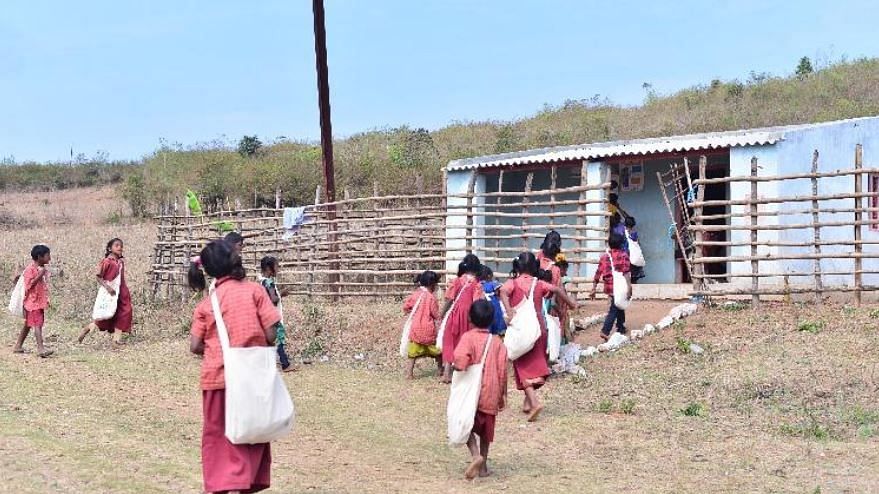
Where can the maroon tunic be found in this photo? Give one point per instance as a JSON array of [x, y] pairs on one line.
[[110, 267], [459, 316], [530, 368]]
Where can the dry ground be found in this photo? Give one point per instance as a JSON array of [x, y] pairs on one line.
[[770, 408]]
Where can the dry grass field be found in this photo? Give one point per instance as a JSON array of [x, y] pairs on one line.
[[784, 399]]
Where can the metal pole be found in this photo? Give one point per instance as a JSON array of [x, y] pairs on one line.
[[323, 99]]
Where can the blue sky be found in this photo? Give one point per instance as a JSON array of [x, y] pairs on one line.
[[118, 76]]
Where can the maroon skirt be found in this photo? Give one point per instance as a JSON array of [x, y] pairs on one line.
[[483, 426], [227, 466]]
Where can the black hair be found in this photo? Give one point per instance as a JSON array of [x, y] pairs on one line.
[[615, 219], [218, 259], [613, 198], [39, 251], [630, 221], [486, 274], [110, 245], [470, 264], [234, 238], [615, 241], [268, 262], [525, 263], [482, 314], [614, 185], [552, 244], [427, 279], [544, 276]]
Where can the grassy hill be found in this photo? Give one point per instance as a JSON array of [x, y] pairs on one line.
[[393, 157]]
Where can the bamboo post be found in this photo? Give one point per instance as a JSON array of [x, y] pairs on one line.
[[553, 178], [859, 163], [671, 214], [698, 269], [471, 185], [816, 229], [497, 219], [755, 280], [525, 200], [581, 217]]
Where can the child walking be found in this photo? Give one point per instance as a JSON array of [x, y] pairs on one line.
[[423, 330], [36, 300], [268, 266], [462, 292], [604, 273], [531, 369], [493, 392], [632, 237], [111, 267], [250, 319], [490, 287]]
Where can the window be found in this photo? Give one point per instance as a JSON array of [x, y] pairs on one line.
[[873, 188]]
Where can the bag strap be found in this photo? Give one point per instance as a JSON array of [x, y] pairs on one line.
[[531, 292], [458, 297], [613, 268], [222, 333], [415, 307], [485, 350]]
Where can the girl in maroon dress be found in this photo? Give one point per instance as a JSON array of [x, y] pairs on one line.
[[466, 289], [112, 266], [531, 369]]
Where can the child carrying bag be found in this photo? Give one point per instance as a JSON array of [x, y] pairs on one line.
[[258, 407], [105, 304], [524, 328], [464, 399], [636, 255], [404, 340], [16, 298], [620, 286]]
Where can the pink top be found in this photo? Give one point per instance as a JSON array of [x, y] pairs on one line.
[[459, 283], [35, 298], [423, 330], [493, 394], [517, 289]]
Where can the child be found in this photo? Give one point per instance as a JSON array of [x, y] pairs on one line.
[[250, 319], [490, 287], [530, 369], [631, 233], [493, 392], [112, 266], [618, 227], [269, 269], [235, 240], [562, 264], [613, 204], [462, 292], [605, 273], [422, 332], [36, 299]]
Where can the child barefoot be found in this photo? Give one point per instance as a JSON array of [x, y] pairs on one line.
[[269, 268], [422, 332], [462, 292], [492, 394], [111, 267], [36, 299]]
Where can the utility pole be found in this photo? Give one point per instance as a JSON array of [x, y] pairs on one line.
[[323, 101]]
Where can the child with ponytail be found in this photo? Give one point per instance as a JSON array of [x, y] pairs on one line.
[[423, 309]]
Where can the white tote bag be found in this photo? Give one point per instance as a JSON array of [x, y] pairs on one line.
[[636, 255], [442, 329], [620, 286], [523, 330], [16, 298], [258, 407], [404, 339], [464, 399], [553, 337], [105, 304]]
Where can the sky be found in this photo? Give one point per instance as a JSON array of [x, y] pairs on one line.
[[118, 77]]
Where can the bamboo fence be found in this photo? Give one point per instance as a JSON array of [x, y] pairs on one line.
[[767, 228], [374, 246]]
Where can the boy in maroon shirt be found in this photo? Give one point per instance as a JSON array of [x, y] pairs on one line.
[[604, 273]]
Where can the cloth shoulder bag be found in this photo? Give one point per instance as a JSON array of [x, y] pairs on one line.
[[464, 399], [442, 329], [407, 328], [620, 286], [16, 298], [524, 328], [106, 304], [636, 255], [258, 406]]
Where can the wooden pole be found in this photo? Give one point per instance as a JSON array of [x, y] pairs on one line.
[[755, 280], [553, 178], [323, 96], [525, 200], [470, 220], [677, 232], [497, 219], [581, 217], [859, 163], [816, 229], [699, 269]]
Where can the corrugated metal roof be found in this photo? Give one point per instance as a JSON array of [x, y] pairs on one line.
[[637, 147]]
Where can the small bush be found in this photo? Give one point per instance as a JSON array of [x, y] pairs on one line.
[[694, 409], [810, 326], [682, 344], [627, 407], [810, 430], [605, 406]]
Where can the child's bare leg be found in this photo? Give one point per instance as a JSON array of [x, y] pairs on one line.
[[473, 445], [439, 366], [410, 369], [483, 452], [85, 331], [477, 462], [117, 339], [447, 372], [22, 335], [536, 406], [41, 349]]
